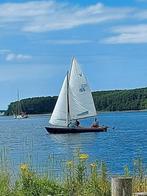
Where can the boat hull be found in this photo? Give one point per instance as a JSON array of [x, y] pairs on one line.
[[20, 116], [64, 130]]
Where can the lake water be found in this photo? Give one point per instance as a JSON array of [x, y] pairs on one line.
[[27, 139]]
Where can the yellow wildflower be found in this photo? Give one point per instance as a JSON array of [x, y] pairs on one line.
[[83, 156], [69, 163], [93, 165], [24, 167]]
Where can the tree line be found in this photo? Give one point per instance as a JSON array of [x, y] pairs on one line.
[[114, 100]]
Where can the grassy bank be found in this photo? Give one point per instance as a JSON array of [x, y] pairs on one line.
[[80, 178]]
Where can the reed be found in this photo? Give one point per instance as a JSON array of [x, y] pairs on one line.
[[139, 176], [81, 178]]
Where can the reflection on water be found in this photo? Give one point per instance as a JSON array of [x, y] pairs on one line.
[[27, 139]]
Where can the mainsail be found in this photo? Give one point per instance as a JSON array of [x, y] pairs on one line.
[[80, 98], [75, 99]]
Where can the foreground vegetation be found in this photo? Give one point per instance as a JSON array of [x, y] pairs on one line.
[[116, 100], [81, 178]]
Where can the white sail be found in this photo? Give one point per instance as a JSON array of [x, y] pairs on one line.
[[59, 115], [81, 104], [75, 99]]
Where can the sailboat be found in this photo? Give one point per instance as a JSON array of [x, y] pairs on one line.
[[19, 114], [74, 102]]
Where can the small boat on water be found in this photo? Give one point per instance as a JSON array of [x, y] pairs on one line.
[[64, 130], [22, 115], [75, 102], [19, 113]]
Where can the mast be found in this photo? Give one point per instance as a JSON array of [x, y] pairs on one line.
[[18, 103], [68, 110], [19, 107], [68, 104]]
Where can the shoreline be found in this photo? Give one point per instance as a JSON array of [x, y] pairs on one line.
[[123, 111], [98, 112]]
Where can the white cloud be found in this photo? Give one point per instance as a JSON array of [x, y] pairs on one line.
[[17, 57], [42, 16], [4, 51], [142, 1], [128, 34], [68, 42], [49, 15], [141, 14]]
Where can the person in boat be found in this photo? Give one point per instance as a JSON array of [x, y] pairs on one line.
[[77, 123], [74, 124], [95, 123]]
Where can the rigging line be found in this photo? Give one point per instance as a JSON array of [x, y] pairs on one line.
[[68, 109]]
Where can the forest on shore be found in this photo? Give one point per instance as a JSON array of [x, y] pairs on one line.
[[112, 100]]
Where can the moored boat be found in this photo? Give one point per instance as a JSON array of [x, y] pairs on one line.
[[19, 113]]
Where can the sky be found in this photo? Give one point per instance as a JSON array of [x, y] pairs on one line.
[[38, 40]]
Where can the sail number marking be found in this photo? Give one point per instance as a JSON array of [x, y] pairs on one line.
[[82, 88]]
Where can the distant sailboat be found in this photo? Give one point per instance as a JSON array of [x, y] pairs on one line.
[[19, 114], [75, 102]]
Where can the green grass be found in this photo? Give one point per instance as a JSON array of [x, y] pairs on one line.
[[80, 178]]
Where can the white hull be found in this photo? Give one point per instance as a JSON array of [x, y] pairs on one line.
[[20, 116]]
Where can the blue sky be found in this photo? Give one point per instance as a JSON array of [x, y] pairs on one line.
[[39, 38]]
